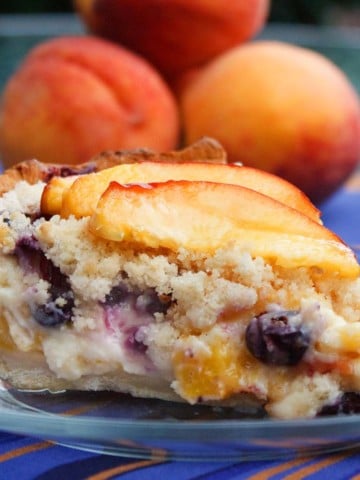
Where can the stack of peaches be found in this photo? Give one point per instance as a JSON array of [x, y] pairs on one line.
[[161, 74]]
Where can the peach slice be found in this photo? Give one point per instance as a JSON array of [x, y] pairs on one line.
[[52, 196], [79, 198], [205, 216], [203, 374], [204, 150]]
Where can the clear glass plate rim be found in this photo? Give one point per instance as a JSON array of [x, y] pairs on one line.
[[259, 427]]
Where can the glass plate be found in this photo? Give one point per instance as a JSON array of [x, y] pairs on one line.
[[120, 425]]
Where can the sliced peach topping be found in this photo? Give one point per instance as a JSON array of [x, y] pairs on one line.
[[79, 198], [205, 150], [205, 216], [52, 197]]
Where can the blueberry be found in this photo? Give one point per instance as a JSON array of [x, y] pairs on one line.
[[277, 338], [32, 259], [147, 301], [348, 404], [118, 295], [55, 171], [152, 303], [29, 253], [50, 314]]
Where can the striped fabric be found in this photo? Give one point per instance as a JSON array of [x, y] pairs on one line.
[[31, 459], [23, 458]]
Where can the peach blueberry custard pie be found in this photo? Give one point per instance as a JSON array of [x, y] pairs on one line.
[[176, 279]]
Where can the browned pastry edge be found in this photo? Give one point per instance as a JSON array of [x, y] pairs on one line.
[[29, 371], [204, 150]]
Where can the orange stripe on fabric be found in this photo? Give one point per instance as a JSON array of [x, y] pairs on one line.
[[315, 467], [106, 474], [268, 473], [18, 452], [353, 184], [79, 410]]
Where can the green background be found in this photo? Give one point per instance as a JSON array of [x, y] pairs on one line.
[[298, 11]]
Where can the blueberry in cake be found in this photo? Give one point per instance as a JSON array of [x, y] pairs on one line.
[[194, 282]]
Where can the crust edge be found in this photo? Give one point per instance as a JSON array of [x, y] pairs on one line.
[[204, 150]]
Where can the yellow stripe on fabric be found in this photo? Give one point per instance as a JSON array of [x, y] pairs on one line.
[[268, 473], [106, 474], [18, 452], [315, 467]]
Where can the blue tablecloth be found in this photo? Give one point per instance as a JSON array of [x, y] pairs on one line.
[[23, 458], [26, 459]]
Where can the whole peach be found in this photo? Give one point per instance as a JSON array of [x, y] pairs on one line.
[[281, 108], [73, 97], [175, 35]]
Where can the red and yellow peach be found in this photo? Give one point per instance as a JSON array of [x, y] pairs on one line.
[[73, 97], [175, 35], [281, 108]]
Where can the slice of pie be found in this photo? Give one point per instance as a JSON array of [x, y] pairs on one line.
[[196, 283]]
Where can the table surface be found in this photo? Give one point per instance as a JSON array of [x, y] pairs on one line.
[[28, 458]]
